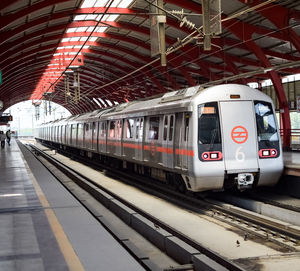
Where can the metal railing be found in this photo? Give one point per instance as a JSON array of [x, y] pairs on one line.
[[295, 138]]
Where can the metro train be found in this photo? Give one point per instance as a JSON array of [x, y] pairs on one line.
[[221, 137]]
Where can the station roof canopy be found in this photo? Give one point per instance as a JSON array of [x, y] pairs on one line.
[[46, 45]]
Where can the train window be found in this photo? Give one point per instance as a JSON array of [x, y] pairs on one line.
[[73, 134], [128, 129], [112, 125], [165, 127], [137, 128], [186, 126], [102, 129], [208, 124], [171, 128], [87, 126], [141, 129], [153, 128], [265, 120], [94, 130], [80, 131], [119, 129]]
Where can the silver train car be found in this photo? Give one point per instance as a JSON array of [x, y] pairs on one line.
[[196, 139]]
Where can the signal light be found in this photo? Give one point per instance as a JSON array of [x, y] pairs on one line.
[[212, 156], [267, 153], [235, 96]]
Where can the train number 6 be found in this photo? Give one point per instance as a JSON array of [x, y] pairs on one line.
[[239, 155]]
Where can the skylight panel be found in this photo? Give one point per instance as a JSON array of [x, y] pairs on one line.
[[125, 3], [109, 102], [102, 102], [90, 29], [83, 38], [100, 3], [97, 102], [105, 17], [81, 29], [80, 17], [70, 30], [74, 39], [65, 40], [112, 18], [88, 3], [91, 17], [101, 29], [93, 38], [115, 3]]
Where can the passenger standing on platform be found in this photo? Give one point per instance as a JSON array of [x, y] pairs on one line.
[[8, 136], [2, 139]]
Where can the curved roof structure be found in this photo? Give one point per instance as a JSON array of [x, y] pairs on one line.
[[41, 40]]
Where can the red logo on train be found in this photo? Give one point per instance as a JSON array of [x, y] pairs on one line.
[[239, 134]]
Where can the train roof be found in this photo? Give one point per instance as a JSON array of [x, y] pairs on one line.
[[175, 101]]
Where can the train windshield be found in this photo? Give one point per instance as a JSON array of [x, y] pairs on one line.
[[209, 124], [265, 120]]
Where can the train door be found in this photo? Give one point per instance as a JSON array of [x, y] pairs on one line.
[[139, 139], [94, 136], [102, 146], [118, 141], [167, 142], [239, 136], [185, 140]]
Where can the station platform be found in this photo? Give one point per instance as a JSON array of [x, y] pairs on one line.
[[290, 181], [43, 227]]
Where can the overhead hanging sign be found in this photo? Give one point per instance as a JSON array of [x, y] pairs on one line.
[[0, 77]]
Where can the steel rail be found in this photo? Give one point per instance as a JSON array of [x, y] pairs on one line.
[[283, 234], [89, 185]]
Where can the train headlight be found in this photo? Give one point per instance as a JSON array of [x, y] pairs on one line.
[[267, 153], [212, 156]]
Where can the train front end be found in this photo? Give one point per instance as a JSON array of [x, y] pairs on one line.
[[237, 139]]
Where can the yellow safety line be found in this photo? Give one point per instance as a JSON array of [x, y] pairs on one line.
[[66, 248]]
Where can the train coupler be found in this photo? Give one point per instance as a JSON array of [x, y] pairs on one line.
[[245, 181]]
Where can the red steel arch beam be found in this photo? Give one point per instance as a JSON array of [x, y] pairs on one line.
[[144, 59], [271, 12], [10, 18], [87, 23], [7, 35], [160, 87], [134, 28], [45, 40], [79, 12], [244, 32], [247, 34]]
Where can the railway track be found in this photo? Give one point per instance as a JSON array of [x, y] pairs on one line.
[[282, 234], [96, 191]]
